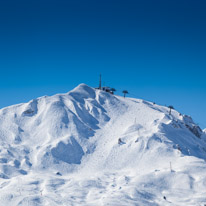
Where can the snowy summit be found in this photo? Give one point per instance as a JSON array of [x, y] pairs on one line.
[[90, 147]]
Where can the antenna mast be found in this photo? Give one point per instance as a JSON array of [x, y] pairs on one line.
[[100, 81]]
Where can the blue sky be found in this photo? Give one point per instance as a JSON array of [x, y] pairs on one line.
[[154, 49]]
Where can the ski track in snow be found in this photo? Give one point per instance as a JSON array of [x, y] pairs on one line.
[[63, 150]]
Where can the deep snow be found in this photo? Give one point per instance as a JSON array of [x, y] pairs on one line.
[[63, 150]]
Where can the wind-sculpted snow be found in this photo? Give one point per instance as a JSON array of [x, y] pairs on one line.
[[71, 153], [88, 147]]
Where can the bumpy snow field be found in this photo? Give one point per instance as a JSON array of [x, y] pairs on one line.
[[64, 150]]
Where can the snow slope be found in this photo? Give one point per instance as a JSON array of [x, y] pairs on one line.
[[63, 150]]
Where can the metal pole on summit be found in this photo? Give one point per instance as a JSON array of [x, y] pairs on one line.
[[100, 82]]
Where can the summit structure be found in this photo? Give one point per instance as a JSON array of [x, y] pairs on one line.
[[100, 81]]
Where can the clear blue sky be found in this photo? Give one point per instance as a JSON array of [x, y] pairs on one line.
[[154, 49]]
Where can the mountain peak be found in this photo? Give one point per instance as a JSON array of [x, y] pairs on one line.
[[83, 91], [82, 86]]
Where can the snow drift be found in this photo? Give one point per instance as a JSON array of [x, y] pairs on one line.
[[63, 150]]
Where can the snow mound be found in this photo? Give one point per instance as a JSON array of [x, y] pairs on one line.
[[101, 149]]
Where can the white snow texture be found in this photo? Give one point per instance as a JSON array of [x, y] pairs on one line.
[[66, 150]]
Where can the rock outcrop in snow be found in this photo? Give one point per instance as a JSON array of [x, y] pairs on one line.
[[77, 133]]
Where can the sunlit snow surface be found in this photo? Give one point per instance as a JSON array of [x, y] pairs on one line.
[[63, 150]]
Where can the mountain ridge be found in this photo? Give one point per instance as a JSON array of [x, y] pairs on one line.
[[91, 133]]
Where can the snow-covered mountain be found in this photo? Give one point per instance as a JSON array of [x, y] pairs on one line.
[[88, 147]]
